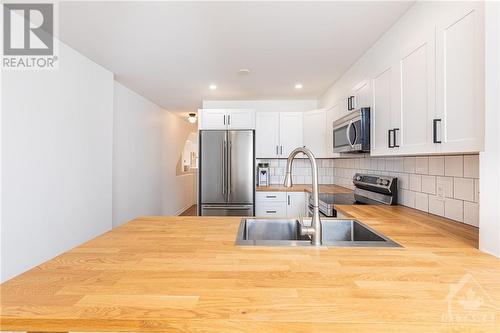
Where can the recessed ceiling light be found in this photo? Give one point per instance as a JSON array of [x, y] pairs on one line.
[[244, 71], [212, 86], [298, 85]]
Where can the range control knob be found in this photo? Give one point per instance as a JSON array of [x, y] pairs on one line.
[[385, 182], [358, 178]]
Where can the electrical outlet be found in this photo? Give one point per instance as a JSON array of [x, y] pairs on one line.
[[440, 192]]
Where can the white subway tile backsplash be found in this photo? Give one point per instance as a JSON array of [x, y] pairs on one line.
[[436, 165], [409, 164], [463, 189], [404, 181], [429, 184], [446, 184], [454, 166], [398, 164], [407, 198], [422, 165], [421, 180], [471, 166], [454, 209], [471, 213], [422, 201], [436, 205], [416, 183]]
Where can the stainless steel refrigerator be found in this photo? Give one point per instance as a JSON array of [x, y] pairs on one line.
[[227, 173]]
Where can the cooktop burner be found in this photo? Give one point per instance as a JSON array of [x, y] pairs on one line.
[[337, 198]]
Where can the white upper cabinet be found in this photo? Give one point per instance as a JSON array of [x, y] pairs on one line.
[[212, 119], [291, 135], [460, 79], [384, 113], [221, 119], [361, 95], [426, 87], [278, 133], [418, 96], [315, 132], [240, 119], [267, 134]]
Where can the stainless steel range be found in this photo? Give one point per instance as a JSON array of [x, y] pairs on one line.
[[368, 189]]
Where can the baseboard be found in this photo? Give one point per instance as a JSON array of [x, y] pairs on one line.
[[182, 210]]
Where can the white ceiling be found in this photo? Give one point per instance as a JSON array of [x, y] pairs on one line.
[[170, 52]]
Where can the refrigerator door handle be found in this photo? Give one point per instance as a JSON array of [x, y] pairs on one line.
[[227, 207], [224, 167], [229, 168]]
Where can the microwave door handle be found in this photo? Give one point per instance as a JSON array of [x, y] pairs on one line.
[[348, 134]]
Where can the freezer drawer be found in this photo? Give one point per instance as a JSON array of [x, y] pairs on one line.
[[227, 210]]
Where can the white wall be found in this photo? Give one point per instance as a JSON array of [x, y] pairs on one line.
[[56, 160], [137, 150], [178, 192], [264, 105], [148, 144], [489, 226]]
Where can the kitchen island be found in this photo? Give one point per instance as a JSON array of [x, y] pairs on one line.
[[184, 274]]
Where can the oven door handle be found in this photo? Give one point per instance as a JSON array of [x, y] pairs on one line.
[[348, 134]]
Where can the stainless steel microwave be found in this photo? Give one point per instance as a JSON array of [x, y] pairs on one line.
[[351, 133]]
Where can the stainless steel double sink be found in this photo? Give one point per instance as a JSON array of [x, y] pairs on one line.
[[286, 232]]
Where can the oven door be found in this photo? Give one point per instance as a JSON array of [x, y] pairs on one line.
[[310, 212]]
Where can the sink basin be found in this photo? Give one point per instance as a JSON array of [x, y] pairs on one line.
[[286, 232]]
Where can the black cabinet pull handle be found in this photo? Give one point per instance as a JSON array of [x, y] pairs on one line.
[[270, 196], [224, 119], [394, 135], [288, 200], [434, 130], [229, 119], [271, 211], [389, 139]]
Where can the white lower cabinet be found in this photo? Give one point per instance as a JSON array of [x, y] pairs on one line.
[[295, 204], [270, 209], [280, 204]]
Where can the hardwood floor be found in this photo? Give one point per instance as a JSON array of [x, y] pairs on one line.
[[191, 211]]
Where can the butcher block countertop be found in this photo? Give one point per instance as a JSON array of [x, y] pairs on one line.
[[184, 274], [302, 188]]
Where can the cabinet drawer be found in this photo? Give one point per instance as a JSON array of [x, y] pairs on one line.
[[270, 197], [277, 209]]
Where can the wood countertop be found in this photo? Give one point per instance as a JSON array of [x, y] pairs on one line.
[[302, 188], [184, 274]]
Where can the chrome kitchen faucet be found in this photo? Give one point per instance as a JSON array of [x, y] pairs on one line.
[[315, 229]]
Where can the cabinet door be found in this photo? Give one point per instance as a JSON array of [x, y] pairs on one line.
[[267, 134], [240, 119], [418, 94], [332, 114], [212, 119], [380, 114], [295, 204], [362, 95], [290, 132], [315, 124], [460, 79]]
